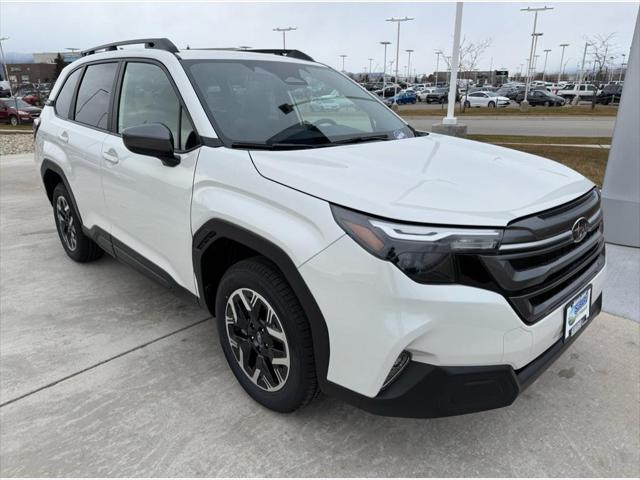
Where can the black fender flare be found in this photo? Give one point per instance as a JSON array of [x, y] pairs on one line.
[[217, 229], [48, 165]]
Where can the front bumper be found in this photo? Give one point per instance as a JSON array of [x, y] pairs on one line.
[[429, 391]]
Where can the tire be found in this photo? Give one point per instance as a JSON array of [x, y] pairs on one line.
[[283, 389], [547, 104], [467, 104], [78, 246], [13, 120], [443, 101], [491, 105]]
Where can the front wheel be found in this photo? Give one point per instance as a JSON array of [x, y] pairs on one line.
[[492, 105], [265, 336], [547, 104], [13, 120]]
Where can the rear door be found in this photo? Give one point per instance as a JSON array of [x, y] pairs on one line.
[[81, 131], [149, 204]]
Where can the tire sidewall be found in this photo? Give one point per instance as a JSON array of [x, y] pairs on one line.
[[289, 396], [61, 191]]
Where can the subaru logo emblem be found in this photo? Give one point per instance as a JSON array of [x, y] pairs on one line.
[[579, 230]]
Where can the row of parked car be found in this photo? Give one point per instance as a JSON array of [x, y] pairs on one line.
[[540, 94]]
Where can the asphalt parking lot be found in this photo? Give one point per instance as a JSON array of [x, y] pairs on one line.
[[105, 373]]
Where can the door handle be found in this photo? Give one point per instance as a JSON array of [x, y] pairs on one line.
[[110, 156], [64, 137]]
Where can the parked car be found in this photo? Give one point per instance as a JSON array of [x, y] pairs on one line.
[[15, 111], [411, 274], [610, 94], [485, 99], [388, 91], [511, 92], [541, 97], [584, 90], [438, 95], [422, 94], [402, 98], [32, 98]]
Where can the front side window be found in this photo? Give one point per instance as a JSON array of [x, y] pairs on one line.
[[148, 96], [94, 95], [271, 103], [63, 100]]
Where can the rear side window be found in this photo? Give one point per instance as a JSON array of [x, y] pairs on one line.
[[94, 95], [63, 100], [148, 96]]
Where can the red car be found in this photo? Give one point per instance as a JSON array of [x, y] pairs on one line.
[[15, 111], [32, 99]]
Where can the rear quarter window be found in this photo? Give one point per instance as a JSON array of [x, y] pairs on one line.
[[63, 100]]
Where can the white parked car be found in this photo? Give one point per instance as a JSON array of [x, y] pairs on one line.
[[410, 274], [422, 94], [485, 99], [585, 91]]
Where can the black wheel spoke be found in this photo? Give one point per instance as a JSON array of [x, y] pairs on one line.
[[257, 339]]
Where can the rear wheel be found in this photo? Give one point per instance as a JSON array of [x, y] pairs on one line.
[[13, 120], [265, 336], [78, 246], [467, 104]]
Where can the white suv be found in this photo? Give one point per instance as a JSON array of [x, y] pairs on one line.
[[340, 250]]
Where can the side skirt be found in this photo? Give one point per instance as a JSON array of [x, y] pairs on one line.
[[125, 254]]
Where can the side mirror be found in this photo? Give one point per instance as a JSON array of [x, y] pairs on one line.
[[154, 140]]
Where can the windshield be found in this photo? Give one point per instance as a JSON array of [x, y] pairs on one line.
[[270, 103], [17, 103]]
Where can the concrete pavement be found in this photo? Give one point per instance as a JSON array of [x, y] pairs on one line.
[[104, 373], [517, 125]]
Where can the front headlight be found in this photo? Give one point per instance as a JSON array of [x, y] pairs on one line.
[[425, 253]]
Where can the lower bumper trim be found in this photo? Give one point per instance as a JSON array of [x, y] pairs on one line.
[[429, 391]]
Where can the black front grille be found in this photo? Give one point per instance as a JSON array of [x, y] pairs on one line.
[[540, 267]]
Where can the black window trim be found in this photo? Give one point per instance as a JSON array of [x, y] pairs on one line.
[[72, 107], [115, 97], [115, 103]]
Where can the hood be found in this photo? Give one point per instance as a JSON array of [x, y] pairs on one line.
[[431, 179]]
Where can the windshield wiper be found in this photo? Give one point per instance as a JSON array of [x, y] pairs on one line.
[[272, 146], [364, 138]]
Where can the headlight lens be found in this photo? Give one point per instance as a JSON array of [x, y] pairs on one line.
[[423, 252]]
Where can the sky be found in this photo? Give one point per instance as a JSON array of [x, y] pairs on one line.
[[324, 30]]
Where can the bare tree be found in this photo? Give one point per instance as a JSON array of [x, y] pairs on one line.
[[602, 47], [470, 54]]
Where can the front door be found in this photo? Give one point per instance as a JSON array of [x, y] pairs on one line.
[[149, 204]]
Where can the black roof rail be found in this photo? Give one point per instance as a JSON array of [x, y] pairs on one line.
[[157, 43], [284, 53]]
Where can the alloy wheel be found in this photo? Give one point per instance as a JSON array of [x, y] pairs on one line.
[[257, 339], [66, 223]]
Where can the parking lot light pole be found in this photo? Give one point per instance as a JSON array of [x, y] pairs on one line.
[[398, 21], [621, 67], [563, 45], [532, 51], [409, 51], [343, 57], [6, 74], [384, 66], [544, 68], [438, 53], [284, 33], [455, 60]]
